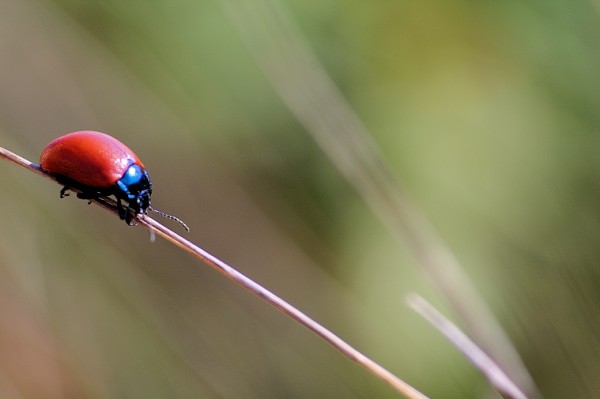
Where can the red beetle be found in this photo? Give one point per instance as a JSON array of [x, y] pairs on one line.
[[97, 165]]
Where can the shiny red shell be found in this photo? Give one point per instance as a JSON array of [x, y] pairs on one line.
[[90, 158]]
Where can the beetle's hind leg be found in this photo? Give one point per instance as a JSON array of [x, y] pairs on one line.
[[89, 195], [63, 192], [81, 195]]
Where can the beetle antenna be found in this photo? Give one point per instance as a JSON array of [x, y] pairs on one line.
[[166, 215]]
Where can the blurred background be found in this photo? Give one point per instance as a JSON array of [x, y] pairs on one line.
[[485, 112]]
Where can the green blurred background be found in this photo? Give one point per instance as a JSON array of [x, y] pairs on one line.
[[487, 113]]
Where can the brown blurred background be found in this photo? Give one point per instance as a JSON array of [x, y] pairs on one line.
[[487, 113]]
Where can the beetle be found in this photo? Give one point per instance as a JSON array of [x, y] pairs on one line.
[[99, 165]]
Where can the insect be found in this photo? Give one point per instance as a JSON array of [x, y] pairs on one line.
[[98, 165]]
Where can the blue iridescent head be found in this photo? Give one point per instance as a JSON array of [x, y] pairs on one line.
[[135, 188]]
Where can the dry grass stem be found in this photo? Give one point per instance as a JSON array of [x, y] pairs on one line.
[[495, 375], [399, 385], [295, 72]]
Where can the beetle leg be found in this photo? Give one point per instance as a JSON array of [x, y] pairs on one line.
[[121, 209], [63, 192], [129, 216], [129, 219]]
